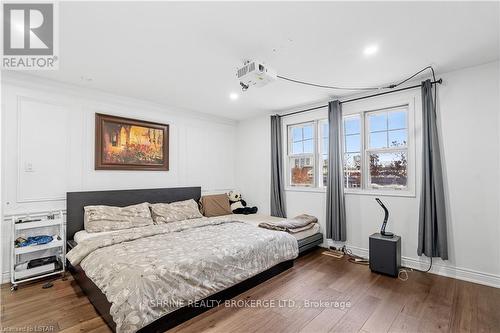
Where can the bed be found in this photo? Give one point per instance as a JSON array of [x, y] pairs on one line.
[[306, 239], [137, 283]]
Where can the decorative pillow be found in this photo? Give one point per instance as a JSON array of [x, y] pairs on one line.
[[215, 205], [175, 211], [106, 218]]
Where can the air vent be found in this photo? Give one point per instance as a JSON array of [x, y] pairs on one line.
[[245, 70], [254, 73]]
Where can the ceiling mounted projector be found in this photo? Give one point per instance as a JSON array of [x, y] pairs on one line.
[[255, 73]]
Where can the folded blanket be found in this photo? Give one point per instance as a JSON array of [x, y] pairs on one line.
[[293, 225]]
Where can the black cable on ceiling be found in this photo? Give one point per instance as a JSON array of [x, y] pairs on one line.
[[412, 76], [322, 86], [390, 89], [391, 86]]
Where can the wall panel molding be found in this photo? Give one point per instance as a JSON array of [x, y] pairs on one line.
[[23, 95], [21, 196]]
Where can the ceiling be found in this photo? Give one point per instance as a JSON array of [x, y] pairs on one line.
[[185, 54]]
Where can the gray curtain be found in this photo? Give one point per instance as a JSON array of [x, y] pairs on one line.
[[335, 208], [277, 179], [432, 238]]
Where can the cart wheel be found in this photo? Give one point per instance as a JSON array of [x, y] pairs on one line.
[[13, 287]]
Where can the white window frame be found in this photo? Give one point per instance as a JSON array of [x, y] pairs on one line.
[[315, 117], [410, 98], [320, 152], [361, 134], [312, 155], [384, 104], [366, 176]]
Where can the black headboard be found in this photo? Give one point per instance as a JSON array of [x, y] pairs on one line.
[[75, 201]]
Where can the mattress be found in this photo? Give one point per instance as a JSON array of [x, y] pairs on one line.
[[253, 219]]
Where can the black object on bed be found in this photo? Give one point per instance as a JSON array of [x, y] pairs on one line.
[[76, 201]]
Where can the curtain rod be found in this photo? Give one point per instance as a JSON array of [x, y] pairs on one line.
[[360, 98]]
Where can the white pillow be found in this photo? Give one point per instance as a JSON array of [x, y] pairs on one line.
[[106, 218], [175, 211]]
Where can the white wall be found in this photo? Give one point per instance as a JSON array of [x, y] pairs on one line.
[[253, 160], [51, 126], [468, 108], [218, 155], [2, 259]]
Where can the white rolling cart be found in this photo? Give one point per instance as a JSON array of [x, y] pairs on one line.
[[51, 224]]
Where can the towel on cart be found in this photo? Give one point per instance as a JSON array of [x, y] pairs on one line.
[[33, 240]]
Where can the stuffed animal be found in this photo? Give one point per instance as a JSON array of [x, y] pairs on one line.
[[238, 205]]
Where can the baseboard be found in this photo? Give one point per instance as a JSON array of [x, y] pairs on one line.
[[487, 279], [5, 277], [464, 274]]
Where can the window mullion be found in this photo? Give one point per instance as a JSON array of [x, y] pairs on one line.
[[387, 128], [387, 150], [364, 144], [316, 153]]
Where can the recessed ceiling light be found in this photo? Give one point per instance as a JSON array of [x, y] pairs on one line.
[[234, 96], [370, 50]]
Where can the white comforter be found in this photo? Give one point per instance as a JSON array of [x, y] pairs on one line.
[[150, 271]]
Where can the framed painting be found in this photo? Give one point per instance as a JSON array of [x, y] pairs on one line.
[[130, 144]]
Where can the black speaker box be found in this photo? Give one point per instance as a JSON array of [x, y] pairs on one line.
[[385, 254]]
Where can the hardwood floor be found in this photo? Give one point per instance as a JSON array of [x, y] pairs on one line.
[[424, 303]]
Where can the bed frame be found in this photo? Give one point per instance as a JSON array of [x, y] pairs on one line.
[[75, 201]]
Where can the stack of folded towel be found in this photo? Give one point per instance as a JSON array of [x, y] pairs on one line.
[[293, 225]]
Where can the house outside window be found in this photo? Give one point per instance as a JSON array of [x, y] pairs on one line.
[[301, 152], [378, 149]]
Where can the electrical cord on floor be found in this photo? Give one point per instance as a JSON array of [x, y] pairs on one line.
[[352, 258], [403, 272], [391, 86], [422, 271]]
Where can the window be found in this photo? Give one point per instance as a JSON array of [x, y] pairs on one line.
[[301, 154], [387, 149], [376, 149], [308, 148], [352, 152], [324, 151]]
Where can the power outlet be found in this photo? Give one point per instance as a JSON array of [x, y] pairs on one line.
[[28, 167]]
